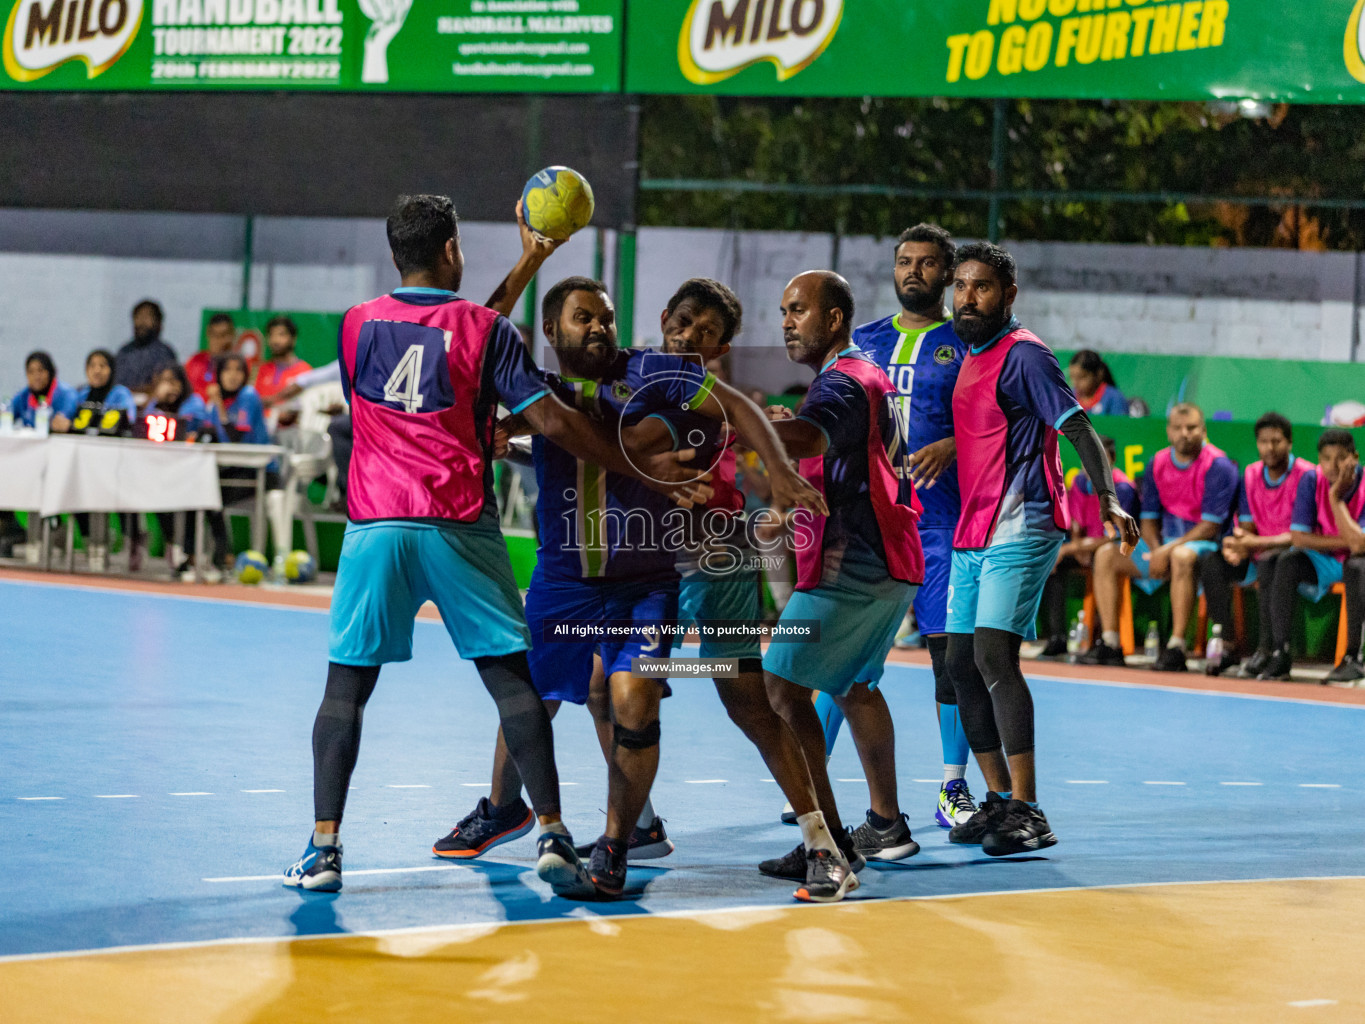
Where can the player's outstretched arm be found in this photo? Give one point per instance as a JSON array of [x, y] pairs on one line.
[[535, 250], [747, 420], [1118, 524], [584, 438]]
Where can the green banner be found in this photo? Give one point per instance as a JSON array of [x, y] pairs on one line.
[[317, 342], [354, 45], [1310, 51]]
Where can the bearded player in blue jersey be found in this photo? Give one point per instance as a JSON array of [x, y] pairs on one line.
[[922, 355]]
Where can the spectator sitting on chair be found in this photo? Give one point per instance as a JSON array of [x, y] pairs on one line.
[[1187, 496], [1076, 555], [220, 334], [1328, 496], [100, 394], [139, 360], [236, 414], [1265, 511], [172, 395], [44, 390], [1094, 385], [1351, 669], [282, 335]]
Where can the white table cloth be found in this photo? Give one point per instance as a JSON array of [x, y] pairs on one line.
[[103, 474]]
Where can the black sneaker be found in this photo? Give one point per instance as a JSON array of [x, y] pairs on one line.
[[1055, 647], [560, 867], [1171, 659], [1278, 666], [1021, 829], [479, 830], [793, 865], [828, 878], [1227, 666], [1348, 671], [788, 815], [644, 843], [1102, 654], [1255, 665], [970, 832], [893, 843], [607, 869]]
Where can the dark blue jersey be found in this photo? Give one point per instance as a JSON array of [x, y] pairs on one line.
[[923, 367], [600, 525]]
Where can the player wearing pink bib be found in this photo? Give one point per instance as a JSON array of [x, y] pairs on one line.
[[1188, 493], [1265, 510], [1009, 405], [424, 371], [1329, 497]]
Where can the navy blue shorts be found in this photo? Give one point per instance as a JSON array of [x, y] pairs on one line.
[[931, 600]]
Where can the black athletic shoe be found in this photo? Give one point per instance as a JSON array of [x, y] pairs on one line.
[[644, 843], [1102, 654], [1021, 829], [828, 878], [560, 867], [1279, 666], [479, 830], [1348, 671], [1171, 659], [1228, 666], [607, 870], [1055, 647], [893, 843], [793, 865], [1255, 665], [970, 832]]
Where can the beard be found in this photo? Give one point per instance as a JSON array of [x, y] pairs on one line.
[[917, 300], [587, 363], [977, 329]]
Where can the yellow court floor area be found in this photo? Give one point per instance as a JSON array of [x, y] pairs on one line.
[[1273, 951]]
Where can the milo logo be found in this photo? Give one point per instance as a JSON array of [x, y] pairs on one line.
[[42, 34], [721, 38], [1354, 48]]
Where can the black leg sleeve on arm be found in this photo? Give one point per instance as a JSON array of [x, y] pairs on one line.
[[525, 727], [997, 656], [1094, 460], [973, 699], [336, 736]]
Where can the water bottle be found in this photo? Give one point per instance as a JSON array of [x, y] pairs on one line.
[[42, 420], [1073, 639], [1213, 651], [1152, 646], [6, 422], [1082, 634]]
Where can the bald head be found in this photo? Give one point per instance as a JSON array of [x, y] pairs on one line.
[[817, 316]]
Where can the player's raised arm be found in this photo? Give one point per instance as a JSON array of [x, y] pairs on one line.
[[535, 250]]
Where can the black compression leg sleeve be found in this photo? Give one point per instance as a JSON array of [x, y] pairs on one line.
[[944, 692], [1054, 600], [525, 727], [1265, 589], [997, 656], [973, 699], [1353, 576], [1292, 568], [336, 736]]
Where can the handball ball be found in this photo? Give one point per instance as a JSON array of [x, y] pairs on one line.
[[557, 202], [251, 567], [299, 567]]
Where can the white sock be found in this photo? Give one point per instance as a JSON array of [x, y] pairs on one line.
[[555, 826], [1176, 641], [1111, 638], [325, 838], [815, 833], [647, 816], [954, 771]]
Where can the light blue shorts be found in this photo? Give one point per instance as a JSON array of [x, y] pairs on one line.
[[732, 598], [390, 568], [1001, 587], [1144, 581], [857, 628], [1328, 570]]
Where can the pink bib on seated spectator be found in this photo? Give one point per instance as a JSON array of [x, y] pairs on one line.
[[1272, 508], [1327, 522], [1182, 490]]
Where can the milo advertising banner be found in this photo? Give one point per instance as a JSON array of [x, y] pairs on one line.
[[1307, 51], [400, 45]]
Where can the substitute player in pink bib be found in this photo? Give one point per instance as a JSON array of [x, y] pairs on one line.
[[1010, 403]]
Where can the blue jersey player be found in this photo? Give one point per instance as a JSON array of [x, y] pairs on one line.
[[922, 355]]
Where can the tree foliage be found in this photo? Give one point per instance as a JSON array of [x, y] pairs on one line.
[[1052, 146]]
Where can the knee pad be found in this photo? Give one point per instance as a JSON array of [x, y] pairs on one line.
[[637, 739], [756, 664]]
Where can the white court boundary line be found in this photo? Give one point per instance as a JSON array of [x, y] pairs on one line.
[[483, 926]]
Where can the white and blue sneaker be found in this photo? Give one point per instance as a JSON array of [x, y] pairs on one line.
[[318, 870], [955, 806], [560, 867]]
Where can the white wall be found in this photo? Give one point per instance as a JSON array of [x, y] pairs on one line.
[[69, 279]]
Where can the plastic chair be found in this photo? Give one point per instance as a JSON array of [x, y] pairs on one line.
[[1127, 642], [1340, 588]]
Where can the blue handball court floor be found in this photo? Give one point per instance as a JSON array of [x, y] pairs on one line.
[[156, 777]]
